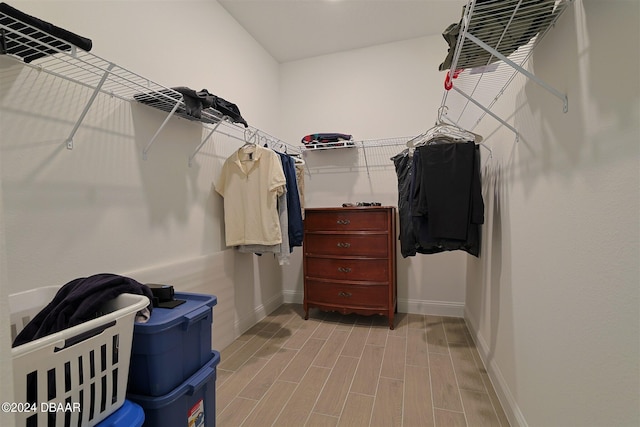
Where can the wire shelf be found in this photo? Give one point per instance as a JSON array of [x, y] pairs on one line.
[[38, 49], [364, 143], [495, 41], [361, 144]]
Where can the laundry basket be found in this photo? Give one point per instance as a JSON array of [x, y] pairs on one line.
[[75, 377]]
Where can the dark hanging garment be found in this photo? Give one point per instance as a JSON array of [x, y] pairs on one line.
[[425, 243], [404, 170], [477, 202], [445, 188], [295, 226], [445, 199], [414, 236]]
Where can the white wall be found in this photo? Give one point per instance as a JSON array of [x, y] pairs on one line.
[[6, 367], [554, 300], [100, 207], [385, 91]]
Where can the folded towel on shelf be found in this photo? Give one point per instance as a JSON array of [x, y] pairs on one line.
[[11, 42]]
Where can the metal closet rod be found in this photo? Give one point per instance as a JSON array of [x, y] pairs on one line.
[[250, 135]]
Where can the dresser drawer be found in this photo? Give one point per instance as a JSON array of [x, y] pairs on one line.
[[346, 220], [372, 245], [373, 270], [365, 296], [350, 260]]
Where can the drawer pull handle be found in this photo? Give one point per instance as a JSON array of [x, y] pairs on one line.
[[344, 269], [344, 294], [343, 221], [344, 245]]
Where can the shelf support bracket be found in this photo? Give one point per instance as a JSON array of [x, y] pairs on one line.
[[199, 147], [492, 51], [488, 111], [96, 90], [366, 161], [153, 139]]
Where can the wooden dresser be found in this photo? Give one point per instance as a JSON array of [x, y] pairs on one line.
[[350, 260]]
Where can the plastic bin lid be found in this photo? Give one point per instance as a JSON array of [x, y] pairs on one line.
[[129, 415], [196, 306], [190, 386]]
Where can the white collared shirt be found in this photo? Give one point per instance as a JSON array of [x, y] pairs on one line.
[[251, 180]]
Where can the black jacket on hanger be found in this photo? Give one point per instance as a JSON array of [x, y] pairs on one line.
[[440, 199]]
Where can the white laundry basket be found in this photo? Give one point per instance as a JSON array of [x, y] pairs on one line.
[[75, 377]]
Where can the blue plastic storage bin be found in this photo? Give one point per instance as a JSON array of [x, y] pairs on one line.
[[129, 415], [191, 404], [173, 345]]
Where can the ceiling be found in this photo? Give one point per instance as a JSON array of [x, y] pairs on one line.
[[296, 29]]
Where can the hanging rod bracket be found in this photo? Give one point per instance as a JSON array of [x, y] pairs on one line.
[[494, 52], [96, 90], [166, 120], [488, 111], [366, 161], [199, 147]]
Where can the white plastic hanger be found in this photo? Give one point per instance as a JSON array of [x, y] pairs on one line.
[[447, 130], [444, 130]]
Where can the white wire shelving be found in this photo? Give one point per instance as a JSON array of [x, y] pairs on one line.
[[66, 61], [364, 145], [494, 42]]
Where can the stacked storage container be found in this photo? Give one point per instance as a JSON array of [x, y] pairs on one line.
[[129, 415], [172, 372]]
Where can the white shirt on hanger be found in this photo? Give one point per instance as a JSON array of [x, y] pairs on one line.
[[250, 182]]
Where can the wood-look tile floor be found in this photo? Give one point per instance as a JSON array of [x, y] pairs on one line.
[[336, 370]]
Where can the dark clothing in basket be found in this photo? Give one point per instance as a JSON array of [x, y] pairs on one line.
[[79, 301]]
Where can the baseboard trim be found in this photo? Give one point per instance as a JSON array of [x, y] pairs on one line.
[[244, 323], [293, 297], [508, 402], [434, 308]]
